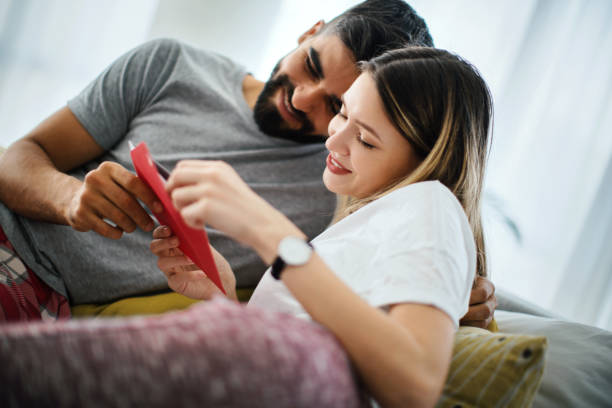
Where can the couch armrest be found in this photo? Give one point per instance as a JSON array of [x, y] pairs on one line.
[[578, 371], [513, 303]]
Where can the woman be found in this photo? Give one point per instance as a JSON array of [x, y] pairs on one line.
[[407, 154]]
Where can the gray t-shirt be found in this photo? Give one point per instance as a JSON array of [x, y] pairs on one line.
[[185, 104]]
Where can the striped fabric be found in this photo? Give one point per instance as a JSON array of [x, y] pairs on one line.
[[493, 369]]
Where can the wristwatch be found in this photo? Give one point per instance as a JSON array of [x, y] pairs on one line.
[[292, 251]]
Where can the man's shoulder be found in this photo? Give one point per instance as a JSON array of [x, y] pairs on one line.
[[167, 50], [161, 47], [172, 49]]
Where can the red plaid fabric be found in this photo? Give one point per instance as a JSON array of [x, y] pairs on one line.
[[23, 296]]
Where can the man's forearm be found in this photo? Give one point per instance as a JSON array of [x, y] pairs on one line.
[[31, 185]]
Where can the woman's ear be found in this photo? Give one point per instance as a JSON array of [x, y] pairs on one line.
[[311, 31]]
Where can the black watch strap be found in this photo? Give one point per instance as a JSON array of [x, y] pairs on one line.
[[277, 267], [279, 264]]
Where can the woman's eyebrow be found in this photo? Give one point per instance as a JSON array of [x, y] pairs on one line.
[[360, 123]]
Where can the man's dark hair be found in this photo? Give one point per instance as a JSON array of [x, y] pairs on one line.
[[376, 26]]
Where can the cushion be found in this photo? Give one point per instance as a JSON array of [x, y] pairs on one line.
[[507, 375], [139, 305], [216, 353], [578, 364], [493, 369], [145, 305], [511, 302]]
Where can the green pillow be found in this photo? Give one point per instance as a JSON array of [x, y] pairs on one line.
[[493, 369]]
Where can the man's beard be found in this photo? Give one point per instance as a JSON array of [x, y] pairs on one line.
[[268, 118]]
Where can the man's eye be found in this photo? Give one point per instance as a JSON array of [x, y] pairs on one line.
[[310, 68], [335, 107]]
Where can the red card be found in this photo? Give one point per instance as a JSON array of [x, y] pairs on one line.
[[193, 242]]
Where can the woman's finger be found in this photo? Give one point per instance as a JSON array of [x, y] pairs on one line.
[[187, 195], [195, 215], [158, 246], [192, 172], [183, 175], [163, 231], [169, 264]]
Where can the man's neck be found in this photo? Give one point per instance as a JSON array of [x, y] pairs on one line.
[[251, 88]]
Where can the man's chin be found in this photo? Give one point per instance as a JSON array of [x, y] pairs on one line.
[[302, 137], [270, 122], [298, 136]]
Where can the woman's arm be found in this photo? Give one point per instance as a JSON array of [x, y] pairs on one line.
[[403, 356]]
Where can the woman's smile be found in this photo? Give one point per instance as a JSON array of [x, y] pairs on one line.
[[335, 167]]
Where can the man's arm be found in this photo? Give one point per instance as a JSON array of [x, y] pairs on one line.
[[33, 181]]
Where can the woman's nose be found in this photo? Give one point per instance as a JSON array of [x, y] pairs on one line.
[[337, 141]]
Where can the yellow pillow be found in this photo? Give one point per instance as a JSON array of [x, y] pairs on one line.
[[145, 305], [493, 369], [492, 327], [141, 305]]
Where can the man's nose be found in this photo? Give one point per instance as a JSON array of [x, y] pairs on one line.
[[307, 98]]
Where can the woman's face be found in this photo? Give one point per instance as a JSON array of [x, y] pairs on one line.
[[366, 152]]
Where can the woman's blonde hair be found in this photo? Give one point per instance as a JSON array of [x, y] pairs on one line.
[[442, 106]]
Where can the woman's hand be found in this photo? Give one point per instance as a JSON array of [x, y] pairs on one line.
[[183, 275], [212, 193]]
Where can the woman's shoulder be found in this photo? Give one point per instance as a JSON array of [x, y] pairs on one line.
[[427, 205], [432, 205], [425, 197]]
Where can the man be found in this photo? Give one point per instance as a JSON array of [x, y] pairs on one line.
[[67, 186]]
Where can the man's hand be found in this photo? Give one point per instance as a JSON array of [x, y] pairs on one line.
[[482, 304], [35, 181], [111, 192]]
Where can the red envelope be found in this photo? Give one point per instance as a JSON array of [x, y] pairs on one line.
[[193, 242]]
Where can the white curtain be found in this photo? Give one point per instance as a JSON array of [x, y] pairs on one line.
[[553, 146], [549, 65], [51, 49], [585, 290]]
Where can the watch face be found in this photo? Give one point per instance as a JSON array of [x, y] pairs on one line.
[[294, 251]]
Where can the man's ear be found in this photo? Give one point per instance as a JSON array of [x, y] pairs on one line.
[[312, 31]]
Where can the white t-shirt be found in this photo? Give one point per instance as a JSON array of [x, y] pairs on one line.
[[414, 245]]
